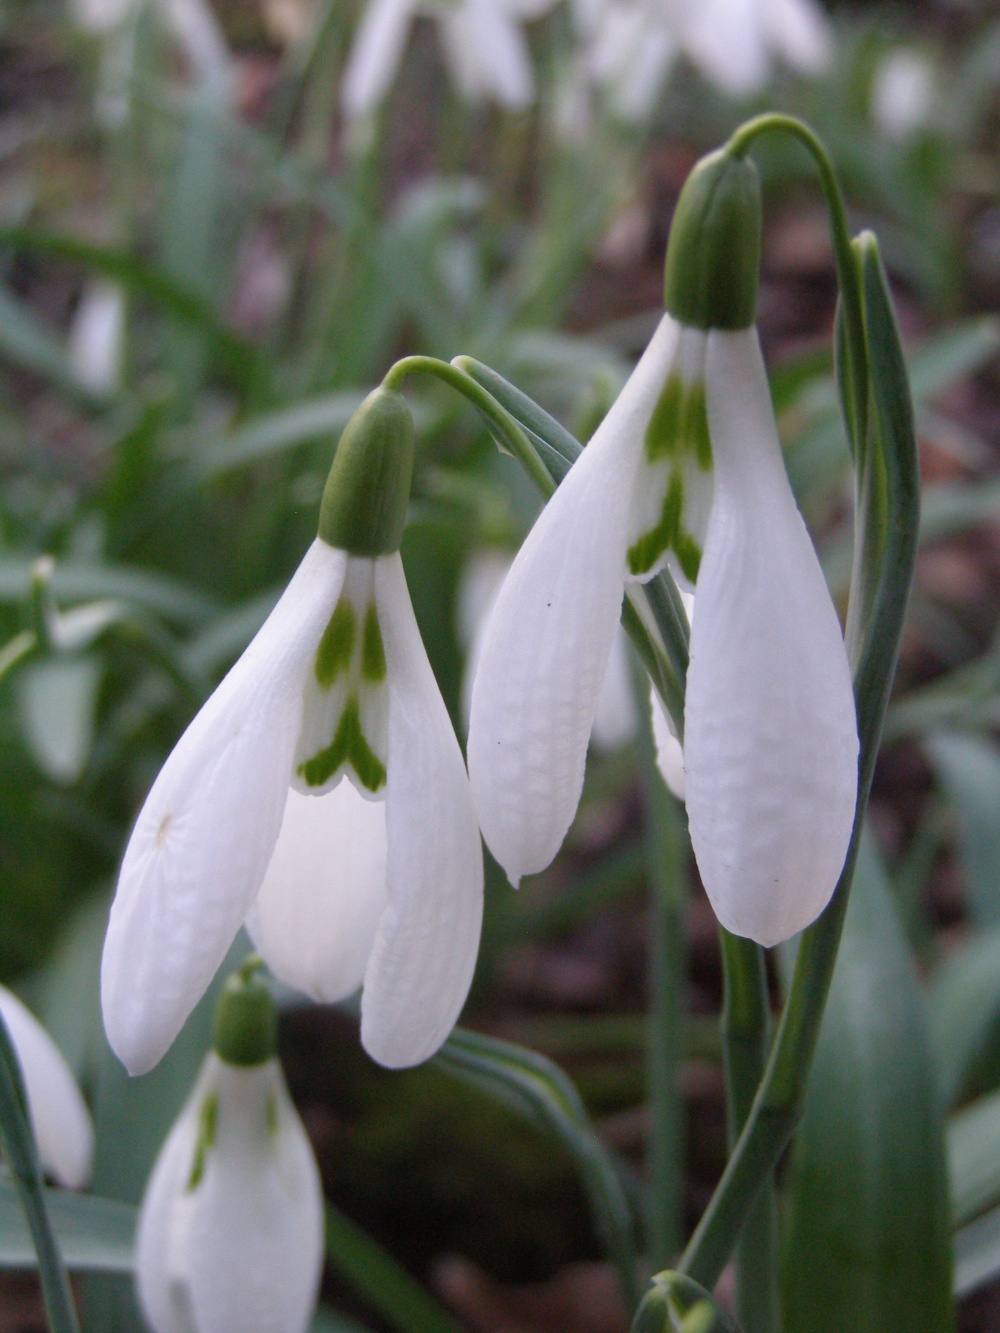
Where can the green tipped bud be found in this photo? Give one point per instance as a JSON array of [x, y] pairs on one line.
[[363, 510], [713, 255], [246, 1024]]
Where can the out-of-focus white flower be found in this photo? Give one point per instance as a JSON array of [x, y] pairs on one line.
[[685, 469], [96, 337], [632, 44], [733, 41], [615, 718], [250, 819], [484, 49], [903, 93], [59, 1116], [230, 1234], [100, 17]]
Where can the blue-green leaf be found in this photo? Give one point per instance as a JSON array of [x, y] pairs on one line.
[[868, 1247]]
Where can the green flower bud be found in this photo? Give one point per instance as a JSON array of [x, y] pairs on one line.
[[246, 1024], [713, 255], [363, 510]]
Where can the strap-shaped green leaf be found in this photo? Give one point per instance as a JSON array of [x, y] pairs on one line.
[[94, 1235], [18, 1144], [974, 1159], [964, 1011], [868, 1246], [539, 1091], [376, 1275]]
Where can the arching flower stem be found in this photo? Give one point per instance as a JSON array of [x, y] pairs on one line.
[[662, 644], [856, 370]]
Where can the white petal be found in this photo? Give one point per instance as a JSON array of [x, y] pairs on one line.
[[770, 735], [669, 751], [160, 1247], [375, 55], [725, 40], [488, 54], [798, 31], [315, 917], [203, 840], [614, 718], [241, 1252], [902, 93], [256, 1233], [95, 336], [425, 951], [549, 638], [59, 1116]]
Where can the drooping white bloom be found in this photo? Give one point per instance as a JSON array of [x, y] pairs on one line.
[[687, 469], [230, 1234], [615, 718], [483, 45], [249, 820], [59, 1116]]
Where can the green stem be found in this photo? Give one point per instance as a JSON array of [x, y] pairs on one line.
[[847, 273], [19, 1150], [665, 857], [745, 1038], [510, 432]]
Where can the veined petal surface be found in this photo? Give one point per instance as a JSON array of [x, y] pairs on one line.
[[205, 835], [315, 917], [547, 646], [425, 949], [59, 1116], [231, 1230], [770, 732]]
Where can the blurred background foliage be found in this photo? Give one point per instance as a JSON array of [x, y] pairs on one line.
[[208, 254]]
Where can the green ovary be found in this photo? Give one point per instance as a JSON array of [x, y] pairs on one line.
[[348, 746]]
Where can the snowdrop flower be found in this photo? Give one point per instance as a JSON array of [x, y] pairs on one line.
[[615, 718], [732, 41], [59, 1116], [96, 336], [632, 44], [230, 1234], [903, 93], [377, 879], [685, 470], [484, 49]]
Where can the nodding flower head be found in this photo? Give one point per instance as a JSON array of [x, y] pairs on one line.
[[685, 471], [376, 879], [230, 1234]]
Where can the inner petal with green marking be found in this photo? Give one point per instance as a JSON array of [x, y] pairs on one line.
[[345, 711], [673, 486]]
